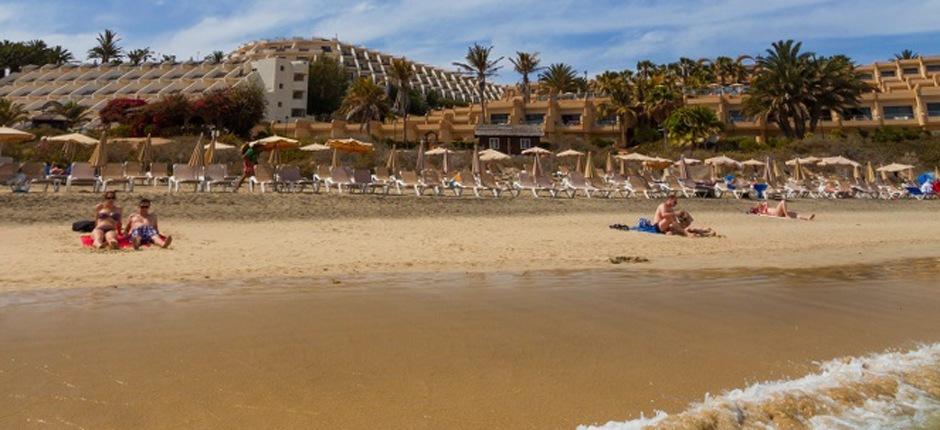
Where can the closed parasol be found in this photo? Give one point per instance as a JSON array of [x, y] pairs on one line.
[[100, 157], [589, 165], [198, 157]]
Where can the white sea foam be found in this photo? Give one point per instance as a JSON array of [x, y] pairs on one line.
[[892, 390]]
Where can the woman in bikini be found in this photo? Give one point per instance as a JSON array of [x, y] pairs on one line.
[[107, 223], [780, 211]]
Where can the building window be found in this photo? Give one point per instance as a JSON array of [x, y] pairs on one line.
[[499, 118], [607, 121], [297, 113], [280, 86], [857, 114], [571, 119], [911, 71], [888, 74], [494, 143], [933, 109], [865, 76], [282, 68], [534, 118], [299, 77], [899, 112], [933, 67], [736, 116], [326, 49], [279, 104], [298, 95], [525, 143]]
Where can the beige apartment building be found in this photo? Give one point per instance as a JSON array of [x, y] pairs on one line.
[[906, 94], [365, 62], [94, 85]]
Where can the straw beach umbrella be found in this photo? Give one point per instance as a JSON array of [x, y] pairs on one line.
[[12, 135], [798, 172], [537, 153], [145, 152], [419, 161], [609, 164], [100, 157], [589, 166], [869, 173], [445, 162], [475, 167], [198, 157], [275, 144], [769, 176], [683, 169], [391, 163], [70, 142], [572, 153], [354, 146], [488, 155], [213, 146]]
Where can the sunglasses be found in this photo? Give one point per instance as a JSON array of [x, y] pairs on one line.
[[145, 206]]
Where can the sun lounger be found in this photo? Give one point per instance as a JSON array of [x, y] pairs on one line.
[[113, 174], [158, 173], [322, 176], [263, 178], [382, 178], [290, 178], [216, 175], [134, 173], [603, 187], [465, 180], [409, 179], [81, 174], [184, 174], [8, 174], [675, 186], [497, 187], [527, 182], [639, 186], [576, 182], [362, 180], [36, 174], [434, 181], [339, 177]]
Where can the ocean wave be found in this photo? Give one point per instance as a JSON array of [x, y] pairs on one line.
[[892, 390]]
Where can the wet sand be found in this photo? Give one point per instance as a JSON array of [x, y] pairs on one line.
[[488, 350]]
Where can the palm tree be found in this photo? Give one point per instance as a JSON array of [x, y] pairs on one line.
[[365, 102], [620, 102], [526, 63], [107, 50], [59, 56], [216, 57], [73, 113], [690, 125], [140, 56], [479, 65], [166, 58], [559, 78], [402, 72], [906, 54], [11, 113], [794, 89]]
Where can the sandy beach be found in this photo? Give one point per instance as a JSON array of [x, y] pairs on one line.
[[307, 311], [225, 237]]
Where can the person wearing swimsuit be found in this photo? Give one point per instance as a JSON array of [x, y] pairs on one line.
[[249, 160], [779, 211], [143, 228], [107, 223]]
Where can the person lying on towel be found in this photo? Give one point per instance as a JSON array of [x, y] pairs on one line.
[[144, 229], [779, 211]]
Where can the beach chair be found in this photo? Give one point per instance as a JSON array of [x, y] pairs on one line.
[[865, 190], [35, 172], [619, 184], [495, 186], [794, 190], [340, 177], [362, 180], [263, 178], [409, 179], [382, 178], [603, 187], [639, 186], [675, 186], [81, 174], [576, 182], [8, 173], [434, 181], [321, 177], [134, 173], [184, 174], [216, 175], [465, 180], [526, 182], [289, 176], [158, 173], [113, 174]]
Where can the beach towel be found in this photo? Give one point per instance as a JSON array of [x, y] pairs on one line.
[[124, 242], [643, 225]]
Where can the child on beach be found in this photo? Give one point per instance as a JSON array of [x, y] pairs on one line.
[[143, 228]]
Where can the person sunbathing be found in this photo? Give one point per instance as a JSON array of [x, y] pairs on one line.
[[683, 227], [107, 223], [143, 228], [665, 217], [780, 211]]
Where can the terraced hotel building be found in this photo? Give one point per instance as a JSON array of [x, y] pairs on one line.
[[906, 93]]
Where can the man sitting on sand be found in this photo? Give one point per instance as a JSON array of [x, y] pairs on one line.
[[780, 211], [670, 222], [143, 228]]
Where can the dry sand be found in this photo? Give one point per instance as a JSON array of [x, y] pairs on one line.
[[242, 237]]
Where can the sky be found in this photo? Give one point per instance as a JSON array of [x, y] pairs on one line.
[[593, 36]]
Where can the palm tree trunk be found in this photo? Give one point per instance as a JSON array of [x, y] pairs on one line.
[[404, 130], [485, 119]]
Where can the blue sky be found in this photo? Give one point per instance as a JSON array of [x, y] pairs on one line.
[[593, 36]]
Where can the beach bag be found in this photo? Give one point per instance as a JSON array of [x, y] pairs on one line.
[[83, 226]]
